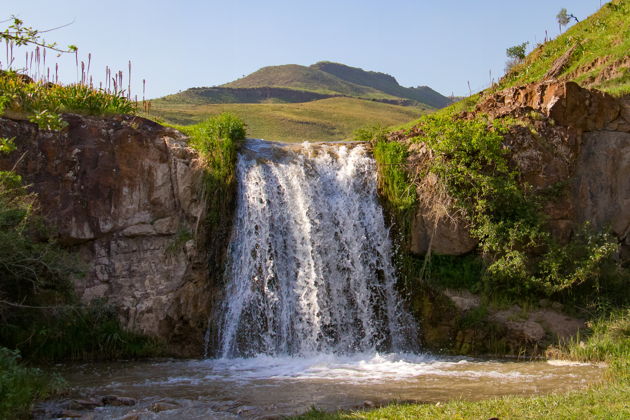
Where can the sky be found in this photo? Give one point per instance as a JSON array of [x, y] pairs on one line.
[[175, 45]]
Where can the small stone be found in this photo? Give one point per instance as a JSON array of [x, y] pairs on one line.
[[163, 406], [83, 404], [65, 414], [368, 404], [117, 401]]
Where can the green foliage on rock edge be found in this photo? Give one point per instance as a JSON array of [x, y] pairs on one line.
[[217, 140], [43, 103]]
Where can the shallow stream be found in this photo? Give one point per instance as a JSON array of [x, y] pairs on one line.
[[272, 387]]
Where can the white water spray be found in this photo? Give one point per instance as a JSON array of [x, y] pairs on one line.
[[310, 259]]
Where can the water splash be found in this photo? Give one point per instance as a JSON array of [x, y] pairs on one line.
[[310, 259]]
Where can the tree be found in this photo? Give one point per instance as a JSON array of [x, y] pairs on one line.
[[516, 55], [19, 34], [564, 18]]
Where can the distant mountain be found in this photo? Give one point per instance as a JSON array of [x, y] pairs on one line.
[[325, 101], [383, 82], [291, 83], [306, 78]]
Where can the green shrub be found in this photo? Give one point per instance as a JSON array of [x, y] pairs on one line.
[[20, 386], [217, 140], [521, 259], [74, 332], [371, 133]]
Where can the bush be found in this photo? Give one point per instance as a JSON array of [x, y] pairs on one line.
[[521, 259], [74, 332], [20, 386]]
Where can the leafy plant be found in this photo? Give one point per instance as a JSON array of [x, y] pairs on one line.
[[21, 385]]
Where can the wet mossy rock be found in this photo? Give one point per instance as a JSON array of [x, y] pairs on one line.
[[125, 194]]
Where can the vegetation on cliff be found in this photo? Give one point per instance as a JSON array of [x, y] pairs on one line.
[[41, 318], [593, 53], [217, 140], [468, 156]]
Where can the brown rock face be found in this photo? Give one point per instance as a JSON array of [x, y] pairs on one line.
[[565, 102], [601, 186], [124, 192]]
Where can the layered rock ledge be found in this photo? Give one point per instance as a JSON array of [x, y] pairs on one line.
[[125, 193]]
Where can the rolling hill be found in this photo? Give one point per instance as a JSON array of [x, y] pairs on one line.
[[325, 101]]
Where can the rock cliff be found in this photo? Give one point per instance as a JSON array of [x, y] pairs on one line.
[[571, 143], [576, 137], [124, 192]]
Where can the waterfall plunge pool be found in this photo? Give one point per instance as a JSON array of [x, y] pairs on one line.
[[273, 387], [310, 274]]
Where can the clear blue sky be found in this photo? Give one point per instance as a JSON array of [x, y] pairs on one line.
[[175, 45]]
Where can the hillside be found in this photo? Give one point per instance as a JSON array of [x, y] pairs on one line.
[[384, 83], [338, 79], [594, 53], [322, 120], [255, 95], [305, 78]]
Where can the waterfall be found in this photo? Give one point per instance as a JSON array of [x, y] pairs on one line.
[[310, 259]]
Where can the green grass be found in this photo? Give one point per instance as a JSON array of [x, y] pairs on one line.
[[600, 402], [330, 119], [217, 139], [600, 41], [42, 103], [607, 338]]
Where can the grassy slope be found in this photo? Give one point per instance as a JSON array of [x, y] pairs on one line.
[[323, 120], [601, 41], [306, 78]]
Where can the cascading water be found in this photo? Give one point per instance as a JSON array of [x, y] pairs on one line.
[[310, 260]]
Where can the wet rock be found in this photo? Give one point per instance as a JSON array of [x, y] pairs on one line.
[[68, 414], [164, 406], [83, 404], [131, 416], [463, 299], [117, 401]]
